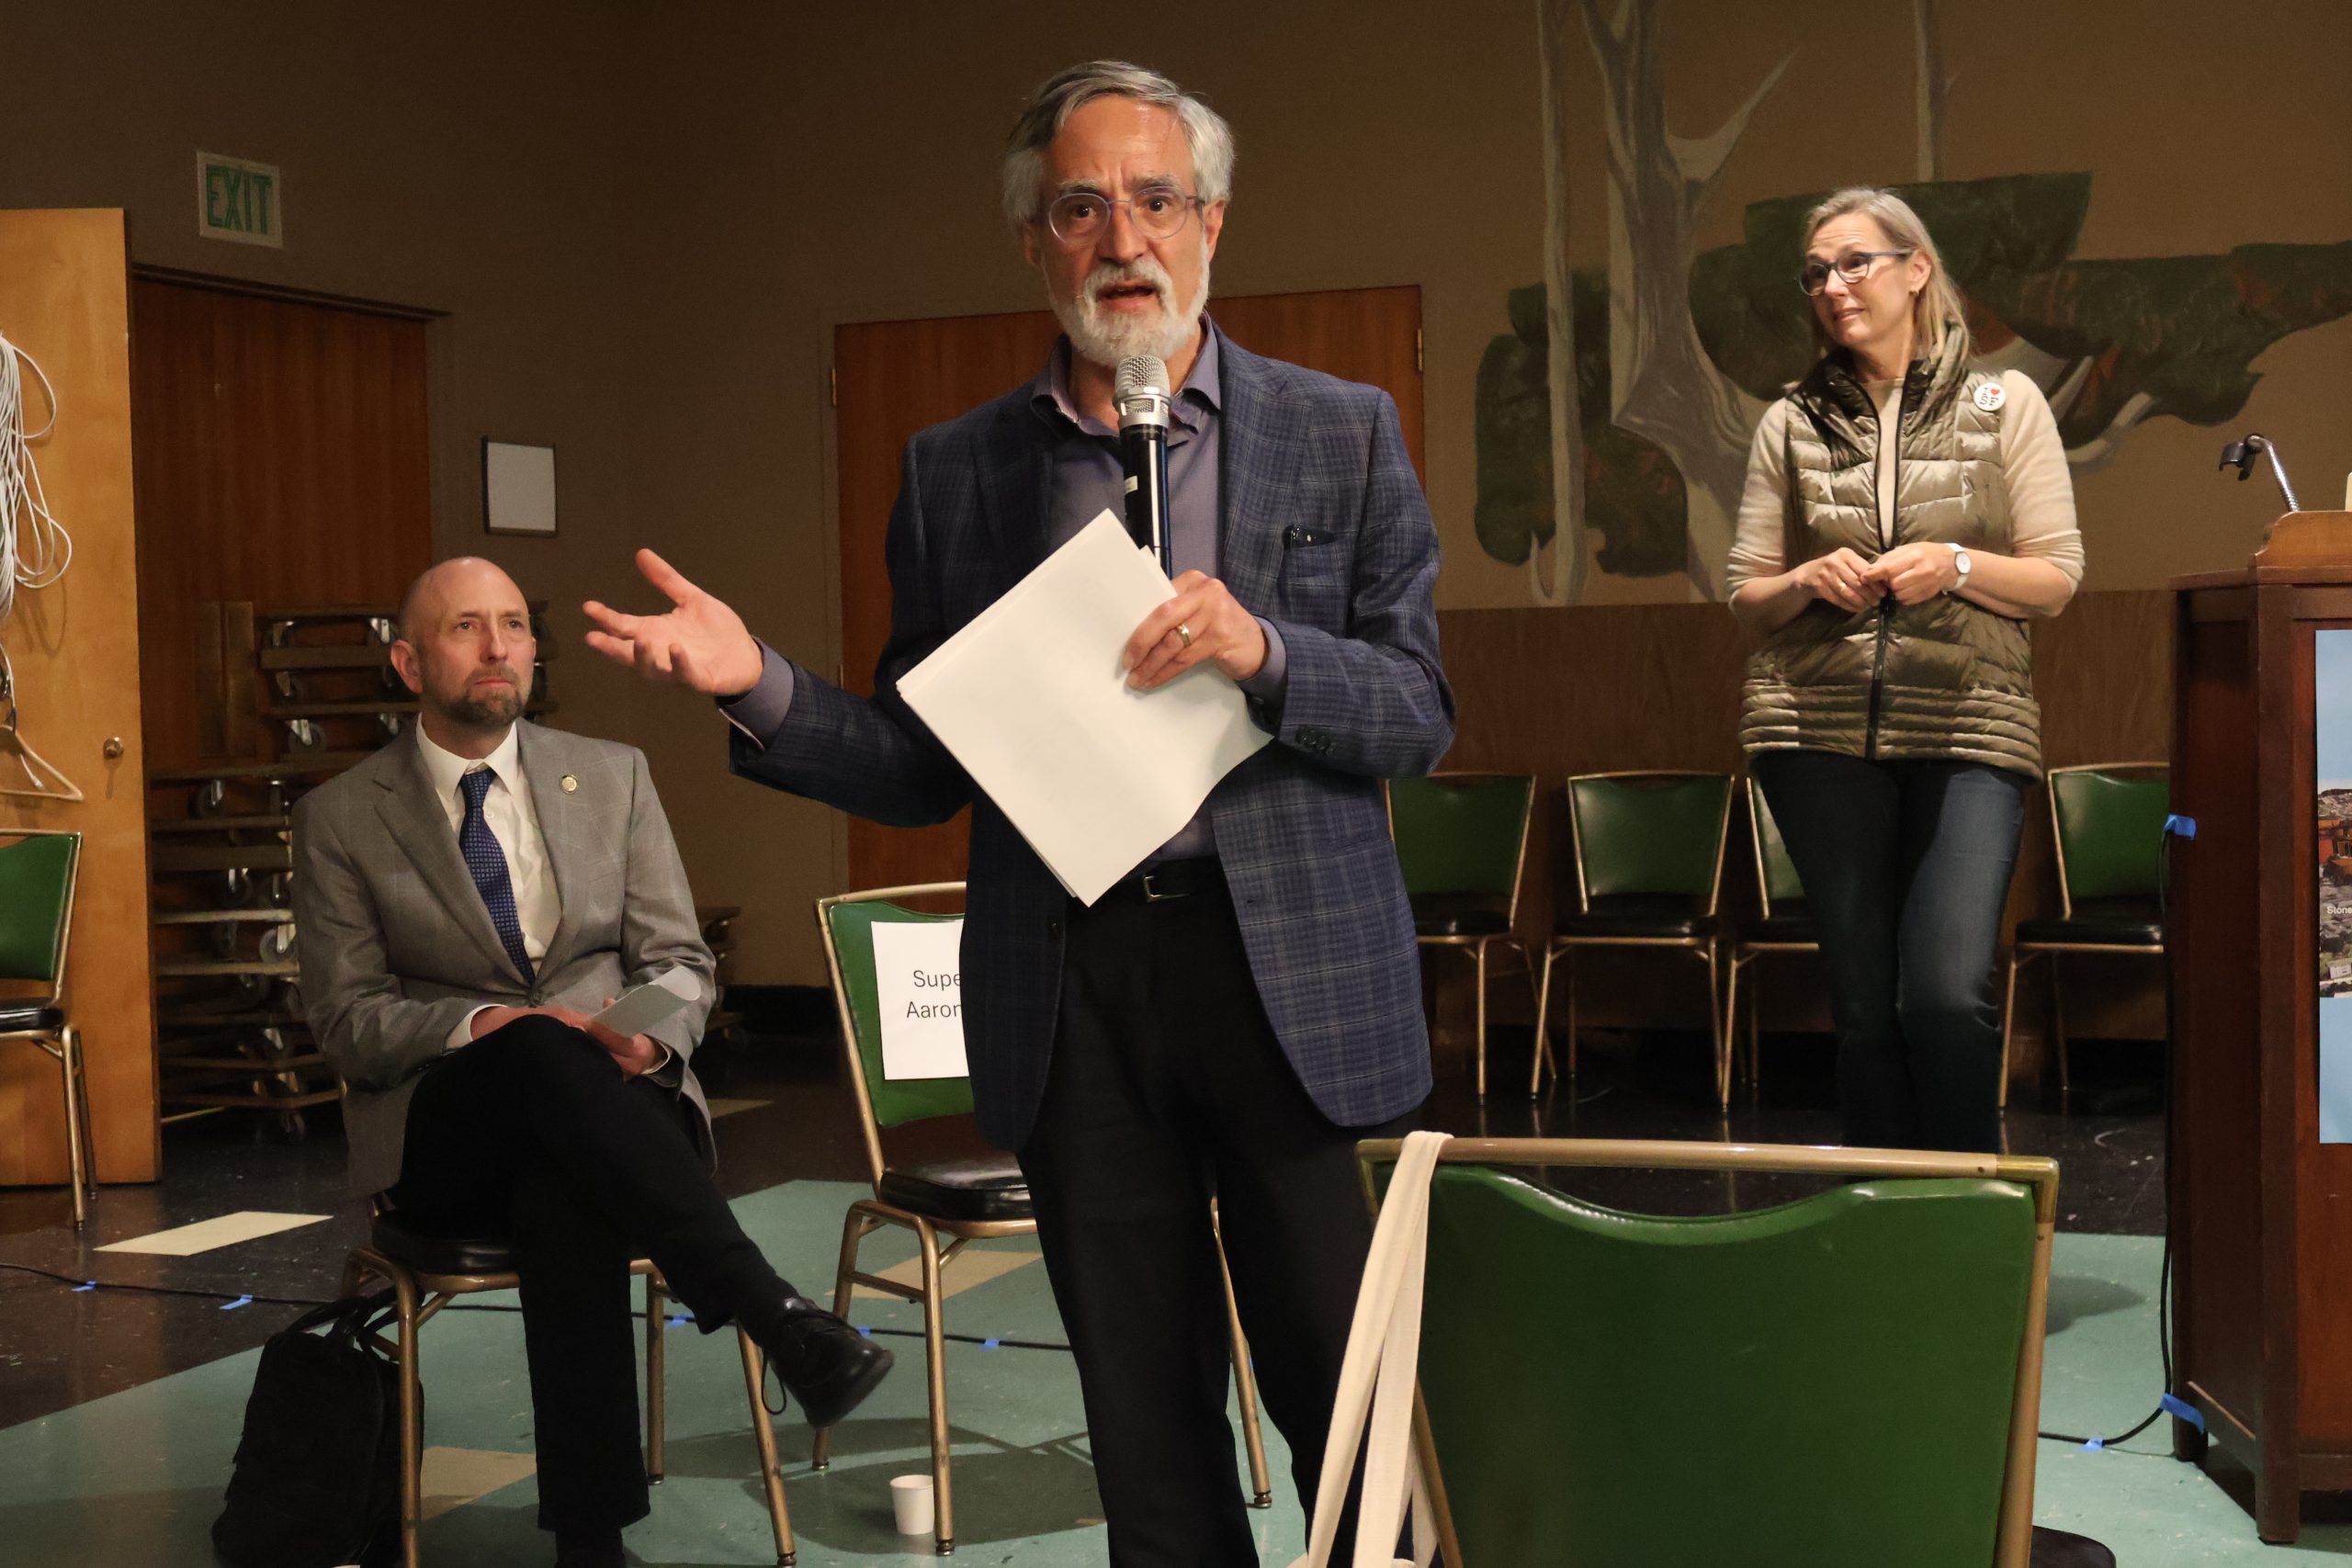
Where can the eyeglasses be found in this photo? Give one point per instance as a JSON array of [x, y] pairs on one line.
[[1853, 266], [1157, 211]]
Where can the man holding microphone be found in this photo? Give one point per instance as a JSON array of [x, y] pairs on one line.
[[1228, 1021]]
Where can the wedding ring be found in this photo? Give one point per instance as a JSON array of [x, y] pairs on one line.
[[1185, 632]]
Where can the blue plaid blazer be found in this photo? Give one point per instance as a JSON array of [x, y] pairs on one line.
[[1325, 534]]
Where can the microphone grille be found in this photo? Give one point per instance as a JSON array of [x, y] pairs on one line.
[[1139, 370]]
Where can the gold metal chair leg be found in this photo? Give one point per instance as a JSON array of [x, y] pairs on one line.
[[1571, 955], [2008, 1017], [1244, 1383], [69, 1062], [763, 1438], [853, 1230], [2058, 1030], [656, 1382], [412, 1417], [934, 1335], [1542, 1052], [1726, 1038], [1478, 959]]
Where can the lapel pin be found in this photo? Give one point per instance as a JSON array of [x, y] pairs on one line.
[[570, 784]]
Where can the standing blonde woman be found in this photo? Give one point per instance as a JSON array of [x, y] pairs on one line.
[[1904, 515]]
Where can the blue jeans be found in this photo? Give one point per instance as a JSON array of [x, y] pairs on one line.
[[1905, 867]]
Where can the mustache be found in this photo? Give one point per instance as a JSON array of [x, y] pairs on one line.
[[1108, 276]]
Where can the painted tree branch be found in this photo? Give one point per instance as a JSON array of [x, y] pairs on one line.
[[2101, 449], [1569, 549], [1927, 66], [1662, 385]]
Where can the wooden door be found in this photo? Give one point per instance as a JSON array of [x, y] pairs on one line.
[[283, 459], [892, 378], [76, 650]]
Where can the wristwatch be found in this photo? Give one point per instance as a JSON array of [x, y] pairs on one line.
[[1960, 563]]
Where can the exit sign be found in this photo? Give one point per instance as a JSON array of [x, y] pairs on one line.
[[238, 201]]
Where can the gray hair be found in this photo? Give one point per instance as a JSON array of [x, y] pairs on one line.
[[1937, 313], [1050, 107]]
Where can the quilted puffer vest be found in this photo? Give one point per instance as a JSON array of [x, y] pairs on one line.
[[1946, 679]]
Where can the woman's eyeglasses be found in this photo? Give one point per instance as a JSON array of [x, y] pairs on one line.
[[1853, 266]]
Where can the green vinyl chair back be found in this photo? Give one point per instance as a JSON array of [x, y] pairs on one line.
[[1827, 1384], [848, 925], [2110, 819], [1462, 832], [1653, 832], [35, 903], [1776, 873]]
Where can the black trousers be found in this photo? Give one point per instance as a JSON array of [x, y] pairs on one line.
[[533, 1133], [1167, 1088], [1905, 867]]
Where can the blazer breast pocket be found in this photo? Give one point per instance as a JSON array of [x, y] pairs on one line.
[[1319, 563]]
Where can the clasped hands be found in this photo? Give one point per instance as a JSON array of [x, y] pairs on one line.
[[1910, 575], [633, 1054], [701, 644]]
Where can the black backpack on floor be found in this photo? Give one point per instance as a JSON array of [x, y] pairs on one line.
[[317, 1477]]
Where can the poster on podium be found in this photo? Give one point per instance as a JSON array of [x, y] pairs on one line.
[[2332, 734]]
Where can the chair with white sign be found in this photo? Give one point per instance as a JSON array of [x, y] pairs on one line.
[[975, 1198]]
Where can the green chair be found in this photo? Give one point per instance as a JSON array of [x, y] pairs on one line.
[[965, 1201], [1785, 926], [1462, 842], [38, 869], [1848, 1380], [2108, 821], [1648, 851]]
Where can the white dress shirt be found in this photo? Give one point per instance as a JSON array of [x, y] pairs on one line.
[[514, 821]]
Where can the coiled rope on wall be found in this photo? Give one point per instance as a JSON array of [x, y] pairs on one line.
[[35, 549]]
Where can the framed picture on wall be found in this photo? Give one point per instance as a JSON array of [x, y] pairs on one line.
[[518, 488]]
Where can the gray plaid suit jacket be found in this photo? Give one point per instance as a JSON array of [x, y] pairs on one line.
[[396, 944], [1325, 533]]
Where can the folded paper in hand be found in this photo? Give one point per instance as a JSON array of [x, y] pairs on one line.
[[642, 1007], [1031, 700]]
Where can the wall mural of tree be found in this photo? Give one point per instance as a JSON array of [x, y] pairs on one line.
[[1622, 400]]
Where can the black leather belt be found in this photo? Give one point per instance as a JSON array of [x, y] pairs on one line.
[[1163, 880]]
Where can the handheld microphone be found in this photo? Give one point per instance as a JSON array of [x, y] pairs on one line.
[[1140, 394]]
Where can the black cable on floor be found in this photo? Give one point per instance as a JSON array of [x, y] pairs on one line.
[[988, 1342], [2167, 1403]]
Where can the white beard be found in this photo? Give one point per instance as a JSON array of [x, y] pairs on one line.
[[1106, 339]]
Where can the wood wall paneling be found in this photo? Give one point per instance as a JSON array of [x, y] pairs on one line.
[[75, 648]]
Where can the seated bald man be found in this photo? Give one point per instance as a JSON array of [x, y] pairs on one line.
[[465, 897]]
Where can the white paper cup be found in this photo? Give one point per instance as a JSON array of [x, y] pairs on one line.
[[910, 1499]]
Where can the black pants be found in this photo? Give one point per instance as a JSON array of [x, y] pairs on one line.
[[532, 1133], [1167, 1088], [1906, 868]]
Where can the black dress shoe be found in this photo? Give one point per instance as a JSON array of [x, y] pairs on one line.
[[823, 1362], [589, 1549]]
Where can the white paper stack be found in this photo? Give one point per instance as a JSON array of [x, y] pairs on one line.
[[1031, 700]]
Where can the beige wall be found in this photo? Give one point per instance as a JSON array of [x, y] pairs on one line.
[[644, 223]]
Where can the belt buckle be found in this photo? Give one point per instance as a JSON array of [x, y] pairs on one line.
[[1152, 895]]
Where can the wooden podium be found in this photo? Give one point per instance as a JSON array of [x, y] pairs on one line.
[[2261, 1214]]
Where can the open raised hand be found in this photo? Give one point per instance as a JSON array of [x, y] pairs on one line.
[[699, 643]]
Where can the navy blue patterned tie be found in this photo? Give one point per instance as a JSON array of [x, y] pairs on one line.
[[487, 864]]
